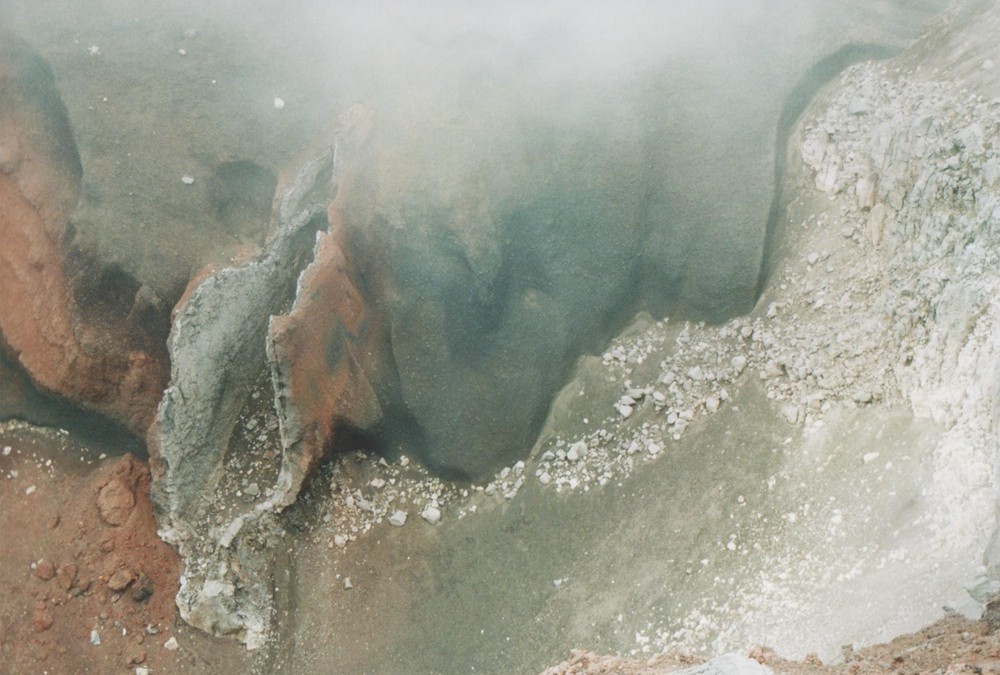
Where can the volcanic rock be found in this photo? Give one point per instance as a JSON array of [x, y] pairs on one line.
[[120, 580], [330, 353], [78, 330], [115, 501], [45, 570]]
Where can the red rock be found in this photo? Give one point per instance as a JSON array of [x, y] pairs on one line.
[[45, 570], [41, 621], [115, 501], [120, 580], [94, 356], [332, 347], [66, 574]]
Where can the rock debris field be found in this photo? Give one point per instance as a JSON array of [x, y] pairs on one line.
[[776, 492]]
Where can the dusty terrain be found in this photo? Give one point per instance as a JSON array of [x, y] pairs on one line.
[[87, 584], [725, 540]]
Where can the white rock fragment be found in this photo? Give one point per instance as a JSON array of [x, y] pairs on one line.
[[739, 363], [340, 540], [545, 478], [141, 670], [171, 645], [790, 413], [94, 50], [95, 638], [279, 104], [431, 514], [857, 106], [187, 180], [30, 489], [347, 583], [577, 451], [398, 518], [870, 457], [862, 396], [182, 51], [624, 410]]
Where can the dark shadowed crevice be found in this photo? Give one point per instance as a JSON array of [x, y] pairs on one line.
[[21, 400]]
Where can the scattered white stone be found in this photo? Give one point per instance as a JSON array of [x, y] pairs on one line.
[[141, 670], [857, 106], [6, 450], [340, 540], [187, 180], [654, 448], [870, 457], [279, 104], [95, 638], [29, 490], [347, 583], [545, 478], [791, 413], [182, 51], [171, 645], [577, 451], [398, 518], [431, 514], [812, 258], [94, 50], [624, 410], [987, 64]]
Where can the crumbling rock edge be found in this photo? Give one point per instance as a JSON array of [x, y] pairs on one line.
[[229, 331], [102, 355]]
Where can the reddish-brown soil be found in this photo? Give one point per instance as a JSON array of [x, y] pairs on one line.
[[80, 554], [953, 645]]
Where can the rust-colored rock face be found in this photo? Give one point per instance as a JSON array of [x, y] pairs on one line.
[[330, 356], [61, 318], [330, 350]]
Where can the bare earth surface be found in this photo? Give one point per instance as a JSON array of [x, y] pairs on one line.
[[87, 584], [503, 583]]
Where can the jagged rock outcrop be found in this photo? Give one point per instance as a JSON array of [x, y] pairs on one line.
[[81, 332], [217, 347]]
